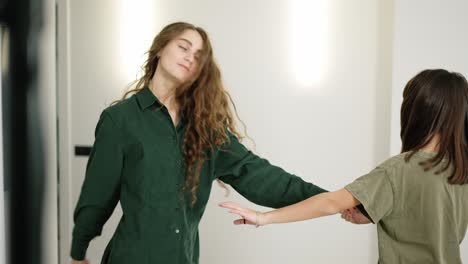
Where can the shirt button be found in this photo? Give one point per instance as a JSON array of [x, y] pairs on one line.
[[177, 231]]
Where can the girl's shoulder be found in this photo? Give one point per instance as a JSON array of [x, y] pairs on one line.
[[394, 161]]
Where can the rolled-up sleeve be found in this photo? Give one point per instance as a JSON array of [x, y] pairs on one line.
[[101, 188], [258, 180]]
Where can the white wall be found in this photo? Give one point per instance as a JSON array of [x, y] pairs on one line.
[[428, 34]]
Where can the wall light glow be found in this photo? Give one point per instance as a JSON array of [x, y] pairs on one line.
[[309, 40], [136, 33]]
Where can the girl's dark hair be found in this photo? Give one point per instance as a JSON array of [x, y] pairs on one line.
[[435, 104]]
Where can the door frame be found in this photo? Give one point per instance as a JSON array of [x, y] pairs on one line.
[[65, 149]]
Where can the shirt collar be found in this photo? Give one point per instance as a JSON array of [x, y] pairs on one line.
[[146, 98]]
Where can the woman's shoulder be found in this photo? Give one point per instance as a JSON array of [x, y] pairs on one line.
[[121, 110]]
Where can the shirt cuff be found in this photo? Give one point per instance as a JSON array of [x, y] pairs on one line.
[[78, 249]]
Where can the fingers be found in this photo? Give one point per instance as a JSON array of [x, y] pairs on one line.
[[245, 213], [353, 215], [235, 208], [242, 214], [85, 261], [230, 205], [234, 211], [347, 215], [241, 222]]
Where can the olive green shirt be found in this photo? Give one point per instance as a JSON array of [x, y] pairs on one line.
[[420, 217], [137, 159]]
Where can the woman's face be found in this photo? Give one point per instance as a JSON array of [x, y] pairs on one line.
[[180, 57]]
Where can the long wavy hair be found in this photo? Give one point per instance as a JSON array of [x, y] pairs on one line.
[[204, 103], [435, 103]]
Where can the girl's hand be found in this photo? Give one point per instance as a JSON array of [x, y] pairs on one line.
[[248, 216]]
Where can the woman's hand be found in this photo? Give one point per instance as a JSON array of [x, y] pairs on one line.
[[354, 216], [248, 216], [85, 261]]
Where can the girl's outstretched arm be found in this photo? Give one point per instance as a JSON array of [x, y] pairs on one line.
[[316, 206]]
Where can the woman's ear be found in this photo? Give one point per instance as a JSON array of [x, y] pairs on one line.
[[158, 54]]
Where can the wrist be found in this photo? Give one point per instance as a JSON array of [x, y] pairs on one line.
[[264, 219]]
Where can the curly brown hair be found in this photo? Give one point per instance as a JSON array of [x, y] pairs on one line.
[[204, 103]]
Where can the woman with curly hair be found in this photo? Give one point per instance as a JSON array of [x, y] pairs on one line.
[[158, 152]]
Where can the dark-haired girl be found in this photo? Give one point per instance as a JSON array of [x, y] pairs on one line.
[[419, 198]]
